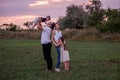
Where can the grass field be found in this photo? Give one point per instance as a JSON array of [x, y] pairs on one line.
[[23, 60]]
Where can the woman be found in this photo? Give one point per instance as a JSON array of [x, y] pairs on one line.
[[56, 34]]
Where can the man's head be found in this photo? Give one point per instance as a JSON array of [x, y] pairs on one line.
[[51, 25]]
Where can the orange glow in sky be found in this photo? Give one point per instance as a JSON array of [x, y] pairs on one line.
[[21, 11], [19, 20]]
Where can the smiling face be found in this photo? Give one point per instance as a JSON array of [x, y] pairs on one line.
[[49, 24]]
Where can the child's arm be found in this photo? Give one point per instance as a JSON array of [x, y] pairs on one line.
[[59, 43]]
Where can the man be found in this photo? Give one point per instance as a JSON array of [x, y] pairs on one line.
[[46, 43]]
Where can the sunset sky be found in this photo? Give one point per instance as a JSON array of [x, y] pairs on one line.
[[20, 11]]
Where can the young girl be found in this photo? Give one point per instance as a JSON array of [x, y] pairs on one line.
[[64, 54]]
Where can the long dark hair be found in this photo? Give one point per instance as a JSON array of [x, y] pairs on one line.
[[63, 41], [52, 25]]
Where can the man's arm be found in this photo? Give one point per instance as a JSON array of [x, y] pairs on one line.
[[39, 26]]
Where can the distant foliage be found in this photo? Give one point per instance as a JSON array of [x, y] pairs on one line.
[[105, 20], [12, 27], [113, 22], [95, 17], [95, 12], [74, 18]]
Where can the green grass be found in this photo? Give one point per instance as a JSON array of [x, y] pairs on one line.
[[23, 60]]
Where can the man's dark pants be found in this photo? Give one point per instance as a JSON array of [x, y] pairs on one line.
[[47, 55]]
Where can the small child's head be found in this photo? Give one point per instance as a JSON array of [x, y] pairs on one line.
[[48, 18], [62, 39]]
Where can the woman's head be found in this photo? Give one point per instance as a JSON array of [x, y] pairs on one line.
[[57, 26]]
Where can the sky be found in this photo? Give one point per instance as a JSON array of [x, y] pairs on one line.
[[20, 11]]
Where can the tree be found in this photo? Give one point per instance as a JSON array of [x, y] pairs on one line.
[[113, 22], [95, 12], [96, 17], [93, 5], [27, 24], [74, 17], [12, 27]]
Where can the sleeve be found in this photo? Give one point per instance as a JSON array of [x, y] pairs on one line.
[[44, 28]]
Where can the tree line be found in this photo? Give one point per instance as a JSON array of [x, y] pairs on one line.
[[91, 15]]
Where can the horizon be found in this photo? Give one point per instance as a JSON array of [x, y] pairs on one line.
[[19, 12]]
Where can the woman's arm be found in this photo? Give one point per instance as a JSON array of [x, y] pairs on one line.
[[52, 38]]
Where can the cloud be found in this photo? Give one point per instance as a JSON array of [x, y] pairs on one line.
[[69, 0], [19, 19], [56, 0], [38, 3]]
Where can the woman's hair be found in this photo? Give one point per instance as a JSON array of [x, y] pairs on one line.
[[52, 25]]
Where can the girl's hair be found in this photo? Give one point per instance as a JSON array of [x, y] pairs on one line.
[[63, 41]]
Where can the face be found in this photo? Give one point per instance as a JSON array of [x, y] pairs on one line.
[[49, 24], [48, 18], [57, 26]]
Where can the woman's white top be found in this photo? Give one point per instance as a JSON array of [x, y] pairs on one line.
[[57, 35]]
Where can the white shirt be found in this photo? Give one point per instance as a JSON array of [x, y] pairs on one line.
[[35, 20], [57, 35], [46, 34]]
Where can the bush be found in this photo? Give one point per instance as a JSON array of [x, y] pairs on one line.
[[113, 23], [110, 26], [25, 34], [83, 34]]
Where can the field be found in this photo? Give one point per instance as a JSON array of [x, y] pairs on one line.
[[90, 60]]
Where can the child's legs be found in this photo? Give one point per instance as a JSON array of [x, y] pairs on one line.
[[66, 64]]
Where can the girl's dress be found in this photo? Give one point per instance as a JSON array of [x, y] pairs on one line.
[[64, 54]]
